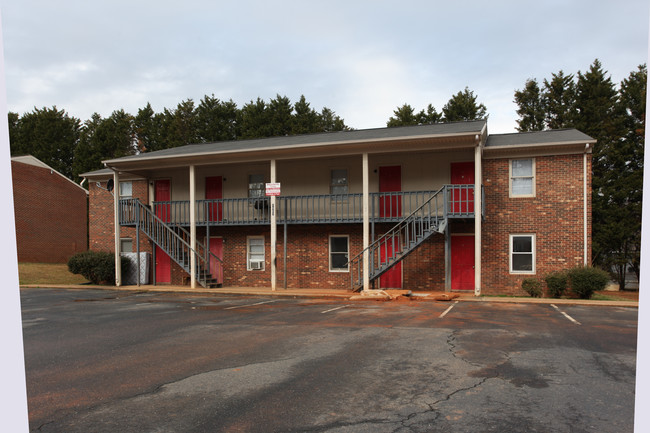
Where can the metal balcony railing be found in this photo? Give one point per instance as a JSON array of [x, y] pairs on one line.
[[313, 209]]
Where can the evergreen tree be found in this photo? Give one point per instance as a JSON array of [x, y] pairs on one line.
[[559, 101], [329, 122], [305, 119], [531, 109], [14, 132], [148, 127], [179, 125], [280, 112], [621, 183], [255, 119], [406, 116], [463, 106], [48, 134], [102, 139], [429, 117], [403, 116], [216, 120]]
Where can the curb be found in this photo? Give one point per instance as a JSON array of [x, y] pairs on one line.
[[333, 294]]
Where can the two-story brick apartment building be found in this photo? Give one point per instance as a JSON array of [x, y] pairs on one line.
[[432, 207]]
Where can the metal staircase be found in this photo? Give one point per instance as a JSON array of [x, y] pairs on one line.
[[402, 239], [172, 240]]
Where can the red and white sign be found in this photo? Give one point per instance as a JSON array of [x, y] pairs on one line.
[[273, 189]]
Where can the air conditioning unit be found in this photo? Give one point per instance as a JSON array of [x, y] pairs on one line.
[[256, 265]]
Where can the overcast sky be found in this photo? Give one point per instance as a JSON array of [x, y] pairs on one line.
[[362, 59]]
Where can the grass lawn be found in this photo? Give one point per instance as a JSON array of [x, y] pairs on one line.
[[47, 273]]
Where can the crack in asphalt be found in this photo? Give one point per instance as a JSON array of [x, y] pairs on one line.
[[432, 408]]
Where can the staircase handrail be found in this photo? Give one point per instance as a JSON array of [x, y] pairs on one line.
[[201, 247], [147, 219], [396, 229]]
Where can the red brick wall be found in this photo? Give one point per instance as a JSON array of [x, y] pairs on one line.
[[307, 255], [554, 215], [51, 215], [100, 215]]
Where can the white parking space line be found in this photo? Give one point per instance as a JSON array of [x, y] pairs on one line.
[[565, 314], [250, 305], [444, 313], [334, 309]]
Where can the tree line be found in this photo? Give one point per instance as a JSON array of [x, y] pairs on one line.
[[461, 106], [73, 147]]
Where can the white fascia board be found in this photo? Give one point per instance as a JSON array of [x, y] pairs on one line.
[[111, 162]]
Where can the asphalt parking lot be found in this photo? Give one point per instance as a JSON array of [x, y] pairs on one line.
[[106, 361]]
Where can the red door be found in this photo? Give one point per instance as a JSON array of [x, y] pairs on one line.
[[216, 248], [214, 191], [462, 263], [391, 279], [390, 180], [162, 192], [462, 199], [163, 266]]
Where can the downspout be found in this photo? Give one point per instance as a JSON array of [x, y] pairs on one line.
[[193, 227], [116, 222], [274, 229], [478, 207], [585, 203], [366, 221]]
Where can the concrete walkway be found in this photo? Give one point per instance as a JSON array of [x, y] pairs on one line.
[[340, 294]]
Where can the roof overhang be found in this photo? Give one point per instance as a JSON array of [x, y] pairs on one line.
[[385, 140], [540, 149]]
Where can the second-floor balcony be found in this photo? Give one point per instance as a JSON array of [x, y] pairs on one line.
[[450, 201]]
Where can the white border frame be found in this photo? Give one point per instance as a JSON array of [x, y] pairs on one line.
[[533, 236], [329, 253], [510, 194], [248, 260]]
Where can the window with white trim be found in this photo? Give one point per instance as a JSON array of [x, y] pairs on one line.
[[126, 245], [522, 177], [339, 181], [256, 186], [255, 251], [339, 251], [126, 189], [522, 254]]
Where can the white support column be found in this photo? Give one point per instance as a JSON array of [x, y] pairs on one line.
[[116, 222], [192, 227], [584, 207], [366, 222], [478, 206], [274, 231]]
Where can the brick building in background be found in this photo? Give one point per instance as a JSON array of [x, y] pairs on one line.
[[407, 194], [50, 212]]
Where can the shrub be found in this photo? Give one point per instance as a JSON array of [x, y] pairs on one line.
[[97, 267], [556, 283], [587, 280], [532, 286]]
